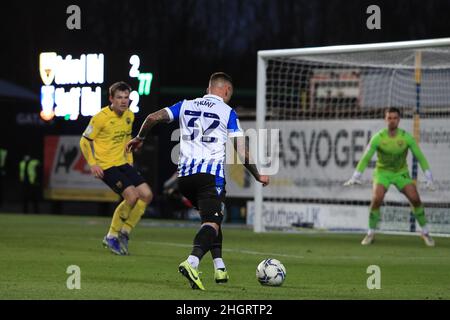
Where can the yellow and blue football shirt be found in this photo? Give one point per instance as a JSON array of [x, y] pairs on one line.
[[110, 134]]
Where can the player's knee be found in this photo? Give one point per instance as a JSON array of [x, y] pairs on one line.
[[416, 202], [212, 220], [131, 197], [131, 201], [215, 225], [147, 197], [375, 204]]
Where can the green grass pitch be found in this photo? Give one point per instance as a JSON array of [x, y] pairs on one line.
[[35, 251]]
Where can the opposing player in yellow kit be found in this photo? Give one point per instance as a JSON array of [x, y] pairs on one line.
[[392, 145], [103, 145]]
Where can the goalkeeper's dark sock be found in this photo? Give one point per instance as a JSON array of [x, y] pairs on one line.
[[374, 217], [203, 241], [419, 213]]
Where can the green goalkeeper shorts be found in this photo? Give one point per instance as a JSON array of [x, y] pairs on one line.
[[385, 178]]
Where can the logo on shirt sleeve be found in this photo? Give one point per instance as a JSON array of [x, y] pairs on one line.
[[88, 130]]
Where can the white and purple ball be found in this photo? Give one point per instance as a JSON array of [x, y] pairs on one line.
[[271, 272]]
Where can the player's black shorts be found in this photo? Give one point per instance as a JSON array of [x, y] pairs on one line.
[[121, 177], [207, 194]]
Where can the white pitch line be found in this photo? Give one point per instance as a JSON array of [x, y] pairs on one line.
[[228, 250], [259, 253]]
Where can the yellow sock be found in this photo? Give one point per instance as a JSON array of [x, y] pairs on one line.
[[135, 215], [121, 214]]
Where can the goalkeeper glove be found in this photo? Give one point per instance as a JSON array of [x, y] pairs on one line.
[[429, 181], [355, 179]]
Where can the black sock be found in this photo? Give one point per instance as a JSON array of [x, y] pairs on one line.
[[216, 248], [203, 241]]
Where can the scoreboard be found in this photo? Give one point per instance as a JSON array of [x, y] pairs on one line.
[[72, 86]]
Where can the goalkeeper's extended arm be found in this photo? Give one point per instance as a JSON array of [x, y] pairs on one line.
[[363, 163], [417, 152], [368, 154]]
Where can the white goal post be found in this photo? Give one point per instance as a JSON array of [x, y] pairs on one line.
[[327, 101]]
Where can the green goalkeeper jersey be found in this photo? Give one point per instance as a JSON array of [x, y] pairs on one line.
[[392, 152]]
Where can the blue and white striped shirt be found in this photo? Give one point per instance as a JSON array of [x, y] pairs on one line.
[[205, 125]]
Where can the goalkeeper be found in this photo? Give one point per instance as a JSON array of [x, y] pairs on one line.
[[391, 145]]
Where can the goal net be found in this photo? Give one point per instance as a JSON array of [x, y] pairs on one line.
[[327, 103]]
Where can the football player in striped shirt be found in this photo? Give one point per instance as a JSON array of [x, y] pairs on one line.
[[206, 123]]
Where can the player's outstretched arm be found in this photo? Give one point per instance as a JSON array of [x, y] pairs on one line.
[[149, 122], [429, 180], [364, 162], [417, 152], [243, 151], [355, 179]]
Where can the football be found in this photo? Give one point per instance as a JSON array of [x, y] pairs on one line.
[[271, 272]]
